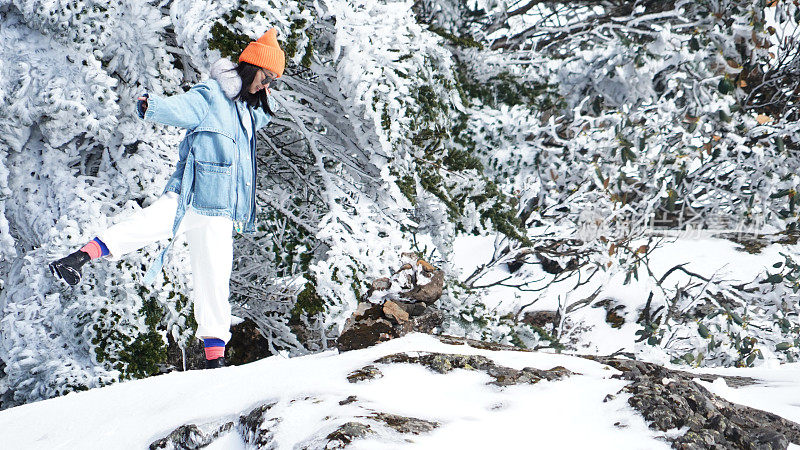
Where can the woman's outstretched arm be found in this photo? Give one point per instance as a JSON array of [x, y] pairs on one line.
[[182, 110]]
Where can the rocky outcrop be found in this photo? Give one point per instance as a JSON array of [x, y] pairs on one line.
[[254, 428], [374, 323], [190, 437], [670, 399], [351, 431], [484, 345], [347, 433], [503, 376], [416, 281], [425, 284], [246, 344], [403, 424], [393, 307], [368, 372]]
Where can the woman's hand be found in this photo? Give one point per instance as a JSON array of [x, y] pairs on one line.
[[141, 105]]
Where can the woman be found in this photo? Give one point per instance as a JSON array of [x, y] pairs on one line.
[[212, 189]]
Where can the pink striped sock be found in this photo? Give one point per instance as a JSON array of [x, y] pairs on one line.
[[215, 352], [93, 249]]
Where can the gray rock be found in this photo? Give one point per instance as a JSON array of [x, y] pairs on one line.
[[190, 437], [428, 320], [365, 328], [503, 376], [427, 293], [253, 427], [393, 311], [348, 400], [369, 372], [374, 323], [412, 308], [346, 433], [405, 424], [256, 428], [381, 284], [770, 439], [713, 422], [440, 362], [484, 345]]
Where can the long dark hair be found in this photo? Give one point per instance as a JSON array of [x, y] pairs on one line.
[[247, 72]]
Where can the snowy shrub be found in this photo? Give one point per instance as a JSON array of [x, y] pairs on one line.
[[716, 322], [603, 118]]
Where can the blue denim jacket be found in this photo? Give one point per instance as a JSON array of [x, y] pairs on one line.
[[216, 172]]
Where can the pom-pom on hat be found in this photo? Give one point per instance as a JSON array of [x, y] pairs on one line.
[[266, 53]]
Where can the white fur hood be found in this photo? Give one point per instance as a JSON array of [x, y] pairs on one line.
[[222, 71]]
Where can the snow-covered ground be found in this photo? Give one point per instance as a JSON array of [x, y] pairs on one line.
[[471, 413], [569, 413], [778, 390]]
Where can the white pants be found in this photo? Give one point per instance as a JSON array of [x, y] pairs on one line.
[[210, 243]]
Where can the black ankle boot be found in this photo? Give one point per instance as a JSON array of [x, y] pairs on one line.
[[68, 268], [215, 363]]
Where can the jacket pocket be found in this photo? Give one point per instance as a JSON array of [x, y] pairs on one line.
[[212, 185]]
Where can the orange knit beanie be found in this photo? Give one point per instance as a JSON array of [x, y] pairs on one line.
[[266, 53]]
